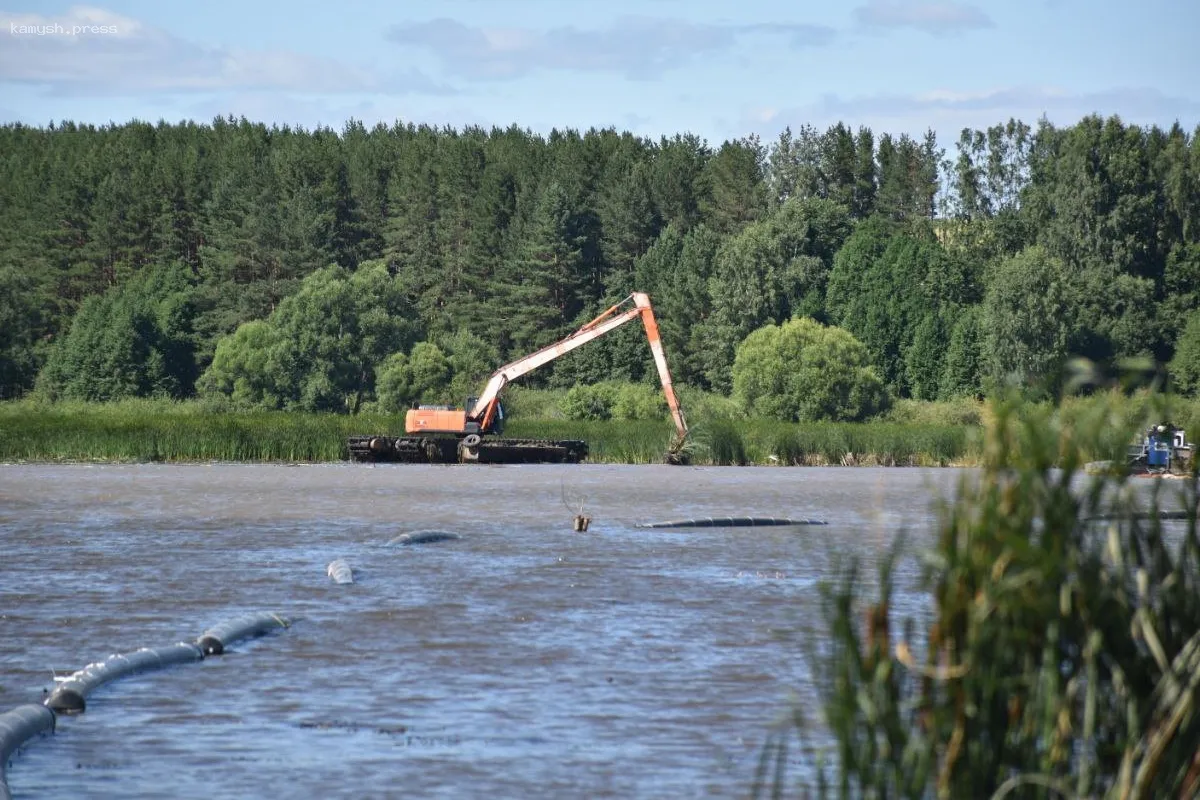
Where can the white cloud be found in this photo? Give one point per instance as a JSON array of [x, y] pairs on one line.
[[94, 51], [637, 47], [947, 112], [937, 16]]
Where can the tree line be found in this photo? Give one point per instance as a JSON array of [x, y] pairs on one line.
[[293, 268]]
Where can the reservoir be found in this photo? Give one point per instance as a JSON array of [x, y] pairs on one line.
[[522, 659]]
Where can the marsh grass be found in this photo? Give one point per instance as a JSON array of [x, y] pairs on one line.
[[1061, 656], [147, 430], [609, 441], [165, 431], [721, 441]]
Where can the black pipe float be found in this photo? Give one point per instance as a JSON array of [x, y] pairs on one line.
[[424, 537], [731, 522], [16, 728], [69, 697], [340, 571], [1157, 515], [214, 640]]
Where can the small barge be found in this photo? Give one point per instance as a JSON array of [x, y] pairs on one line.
[[470, 449]]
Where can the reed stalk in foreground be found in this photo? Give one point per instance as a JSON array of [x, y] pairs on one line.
[[1063, 654]]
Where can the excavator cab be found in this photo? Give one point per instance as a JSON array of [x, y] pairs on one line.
[[497, 426]]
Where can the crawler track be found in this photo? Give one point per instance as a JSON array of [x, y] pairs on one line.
[[450, 450]]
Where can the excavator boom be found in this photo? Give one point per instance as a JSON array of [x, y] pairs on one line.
[[482, 416], [612, 318]]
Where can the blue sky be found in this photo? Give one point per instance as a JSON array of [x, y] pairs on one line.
[[718, 69]]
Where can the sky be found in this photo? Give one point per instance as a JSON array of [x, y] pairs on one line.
[[721, 69]]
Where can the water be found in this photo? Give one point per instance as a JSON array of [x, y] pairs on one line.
[[524, 660]]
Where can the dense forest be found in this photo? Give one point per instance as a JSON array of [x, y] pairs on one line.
[[286, 268]]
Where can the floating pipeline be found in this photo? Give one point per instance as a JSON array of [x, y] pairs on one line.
[[340, 571], [731, 522], [1168, 515], [16, 728], [70, 696], [424, 537], [214, 640]]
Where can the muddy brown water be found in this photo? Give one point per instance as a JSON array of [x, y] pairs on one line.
[[523, 660]]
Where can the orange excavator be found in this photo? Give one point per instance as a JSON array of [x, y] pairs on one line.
[[440, 434]]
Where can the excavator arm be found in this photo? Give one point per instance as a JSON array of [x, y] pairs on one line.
[[485, 408]]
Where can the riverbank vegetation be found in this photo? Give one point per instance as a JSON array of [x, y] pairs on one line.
[[173, 431], [1062, 654], [632, 431]]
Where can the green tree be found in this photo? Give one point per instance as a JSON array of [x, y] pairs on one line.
[[1181, 288], [884, 286], [541, 285], [133, 341], [319, 350], [735, 194], [20, 324], [472, 360], [865, 186], [675, 179], [770, 271], [793, 165], [675, 272], [803, 371], [1185, 366], [422, 376], [590, 401], [924, 360], [963, 363], [1027, 318]]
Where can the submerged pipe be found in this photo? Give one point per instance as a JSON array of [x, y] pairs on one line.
[[340, 571], [214, 640], [730, 522], [424, 537], [1169, 515], [17, 727], [69, 697]]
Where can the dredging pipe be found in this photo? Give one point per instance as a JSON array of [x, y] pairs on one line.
[[214, 640], [1167, 515], [16, 728], [731, 522], [424, 537], [70, 695]]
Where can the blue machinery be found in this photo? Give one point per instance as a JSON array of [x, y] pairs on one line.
[[1164, 448]]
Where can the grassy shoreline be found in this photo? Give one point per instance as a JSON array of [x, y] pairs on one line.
[[159, 431]]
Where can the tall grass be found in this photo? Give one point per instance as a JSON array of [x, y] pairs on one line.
[[165, 431], [146, 430], [609, 441], [1062, 658]]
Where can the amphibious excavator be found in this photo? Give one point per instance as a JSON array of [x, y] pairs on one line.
[[440, 434]]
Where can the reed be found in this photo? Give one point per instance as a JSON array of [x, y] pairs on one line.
[[147, 430], [609, 441], [1061, 654], [166, 431]]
